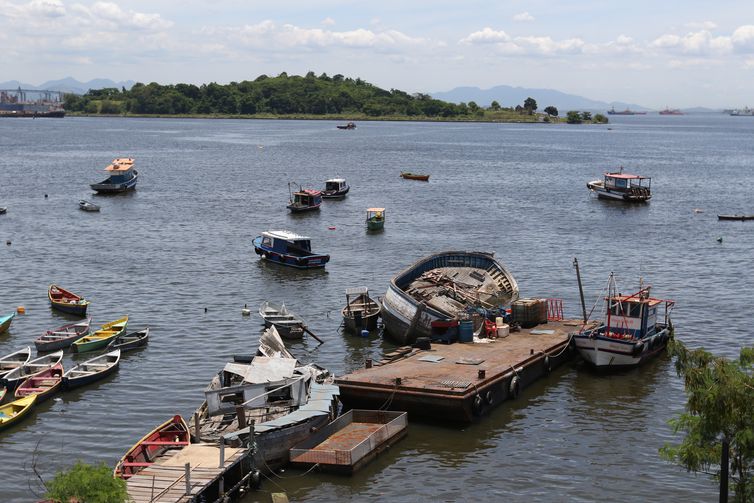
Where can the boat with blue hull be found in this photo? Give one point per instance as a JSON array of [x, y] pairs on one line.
[[442, 287], [122, 177], [288, 248], [635, 328]]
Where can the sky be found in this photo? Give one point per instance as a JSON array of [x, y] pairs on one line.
[[654, 53]]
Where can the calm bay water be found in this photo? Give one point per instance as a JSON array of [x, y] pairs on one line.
[[182, 243]]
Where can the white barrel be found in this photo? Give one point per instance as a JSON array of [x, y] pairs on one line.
[[499, 321], [503, 330]]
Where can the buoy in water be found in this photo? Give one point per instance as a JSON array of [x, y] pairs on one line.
[[332, 227], [205, 309], [245, 311], [8, 242], [720, 239], [45, 196], [20, 309]]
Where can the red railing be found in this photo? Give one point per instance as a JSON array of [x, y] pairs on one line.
[[554, 309]]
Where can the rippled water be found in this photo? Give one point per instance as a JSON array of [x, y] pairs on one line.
[[182, 243]]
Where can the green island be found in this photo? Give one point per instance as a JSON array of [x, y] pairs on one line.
[[309, 97]]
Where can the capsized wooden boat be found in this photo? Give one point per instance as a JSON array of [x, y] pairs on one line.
[[68, 302], [131, 340], [5, 322], [735, 217], [11, 413], [14, 360], [62, 337], [102, 337], [172, 434], [288, 324], [92, 370], [33, 367], [361, 312], [414, 176], [44, 384]]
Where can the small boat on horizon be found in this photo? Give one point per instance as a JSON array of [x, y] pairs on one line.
[[122, 177], [67, 302], [671, 111], [622, 186], [335, 188], [288, 248], [627, 111], [304, 200], [87, 206], [361, 311], [414, 176], [375, 219], [724, 217], [349, 125]]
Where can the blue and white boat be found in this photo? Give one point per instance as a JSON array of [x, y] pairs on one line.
[[289, 249], [122, 177], [636, 327]]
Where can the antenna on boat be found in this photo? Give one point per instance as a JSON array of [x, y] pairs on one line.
[[581, 288]]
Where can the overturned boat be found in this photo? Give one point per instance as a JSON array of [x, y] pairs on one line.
[[441, 287]]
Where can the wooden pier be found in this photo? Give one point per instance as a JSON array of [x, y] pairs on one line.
[[461, 381], [179, 476]]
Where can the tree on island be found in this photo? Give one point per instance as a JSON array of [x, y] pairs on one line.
[[495, 106], [600, 119], [530, 104], [551, 111], [586, 116], [573, 117], [718, 420]]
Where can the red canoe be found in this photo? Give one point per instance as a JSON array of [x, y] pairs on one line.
[[172, 434], [44, 384]]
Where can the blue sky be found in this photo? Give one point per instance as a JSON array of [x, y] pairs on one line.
[[661, 53]]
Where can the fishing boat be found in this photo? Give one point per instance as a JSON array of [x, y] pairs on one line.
[[92, 370], [441, 288], [349, 125], [287, 248], [43, 385], [335, 188], [414, 176], [742, 112], [170, 435], [5, 322], [622, 186], [102, 337], [14, 360], [304, 200], [635, 328], [627, 111], [735, 217], [31, 368], [131, 340], [11, 413], [122, 177], [62, 337], [361, 312], [67, 302], [87, 206], [288, 325], [375, 219], [671, 111]]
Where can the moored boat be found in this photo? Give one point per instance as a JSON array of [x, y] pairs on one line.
[[5, 322], [62, 337], [361, 312], [102, 337], [620, 186], [635, 328], [287, 248], [735, 217], [671, 111], [288, 324], [349, 125], [11, 413], [172, 434], [87, 206], [131, 340], [31, 368], [441, 287], [92, 370], [304, 200], [3, 210], [14, 360], [67, 302], [43, 385], [335, 188], [122, 177], [375, 219], [414, 176]]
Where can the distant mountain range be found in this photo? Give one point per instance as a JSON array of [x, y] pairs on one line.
[[511, 96], [69, 85]]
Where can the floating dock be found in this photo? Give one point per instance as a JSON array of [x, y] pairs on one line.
[[461, 381]]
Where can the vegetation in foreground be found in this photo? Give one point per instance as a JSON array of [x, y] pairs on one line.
[[83, 483], [294, 97], [719, 413]]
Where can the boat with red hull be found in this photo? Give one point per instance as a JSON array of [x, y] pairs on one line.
[[172, 434], [68, 302]]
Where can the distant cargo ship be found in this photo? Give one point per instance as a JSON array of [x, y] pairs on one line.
[[31, 103], [671, 111], [613, 111], [745, 111]]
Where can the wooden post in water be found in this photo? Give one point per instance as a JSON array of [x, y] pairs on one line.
[[196, 427], [241, 415], [222, 454], [581, 289], [187, 476]]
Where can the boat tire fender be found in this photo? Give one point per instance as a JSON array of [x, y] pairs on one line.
[[477, 406], [514, 388], [638, 348], [546, 362], [488, 397]]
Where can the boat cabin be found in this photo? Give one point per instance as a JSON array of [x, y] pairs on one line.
[[285, 242], [636, 315], [631, 184], [304, 199], [335, 184], [375, 218]]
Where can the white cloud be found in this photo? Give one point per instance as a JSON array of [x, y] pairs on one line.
[[485, 36], [701, 25], [110, 15], [743, 39], [695, 43], [505, 44], [328, 21], [523, 17]]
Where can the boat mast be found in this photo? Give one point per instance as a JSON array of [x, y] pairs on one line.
[[581, 288]]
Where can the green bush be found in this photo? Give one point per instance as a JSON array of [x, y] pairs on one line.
[[87, 484]]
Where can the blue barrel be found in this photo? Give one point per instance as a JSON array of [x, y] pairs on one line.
[[365, 333], [466, 331]]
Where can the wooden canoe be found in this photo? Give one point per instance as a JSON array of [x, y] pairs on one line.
[[43, 385], [62, 337], [172, 434], [720, 217], [288, 324], [102, 337], [14, 360], [67, 302], [33, 367], [361, 311], [133, 340], [414, 176], [92, 370], [11, 413], [5, 322]]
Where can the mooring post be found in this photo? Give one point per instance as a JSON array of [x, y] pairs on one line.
[[196, 427], [187, 476], [222, 454], [581, 288], [241, 414], [221, 487]]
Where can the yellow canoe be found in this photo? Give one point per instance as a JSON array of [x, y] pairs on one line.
[[102, 337], [12, 412]]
